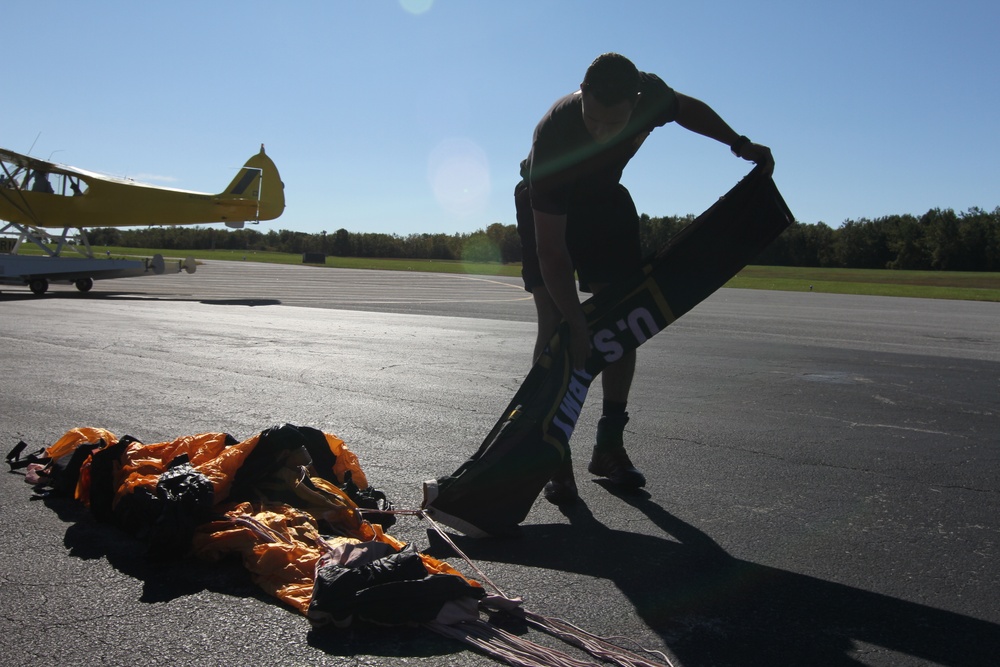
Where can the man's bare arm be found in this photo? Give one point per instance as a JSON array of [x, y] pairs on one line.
[[696, 116], [557, 272]]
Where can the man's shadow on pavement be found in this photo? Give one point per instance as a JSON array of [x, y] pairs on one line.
[[713, 609]]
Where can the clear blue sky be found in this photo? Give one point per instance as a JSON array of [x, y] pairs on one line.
[[411, 116]]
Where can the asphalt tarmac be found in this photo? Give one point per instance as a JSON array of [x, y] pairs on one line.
[[824, 471]]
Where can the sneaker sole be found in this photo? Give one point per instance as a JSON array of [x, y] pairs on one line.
[[628, 484]]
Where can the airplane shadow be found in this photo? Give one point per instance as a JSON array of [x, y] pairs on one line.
[[241, 302], [713, 609], [134, 296]]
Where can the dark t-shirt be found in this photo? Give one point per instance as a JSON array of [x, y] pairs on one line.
[[566, 163]]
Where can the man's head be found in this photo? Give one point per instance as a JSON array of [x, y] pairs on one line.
[[610, 92], [611, 79]]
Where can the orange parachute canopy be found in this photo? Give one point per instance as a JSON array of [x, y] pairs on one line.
[[289, 501], [294, 504]]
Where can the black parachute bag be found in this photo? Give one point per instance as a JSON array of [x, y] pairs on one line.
[[494, 489]]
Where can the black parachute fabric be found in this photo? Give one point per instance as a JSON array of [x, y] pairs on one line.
[[494, 489]]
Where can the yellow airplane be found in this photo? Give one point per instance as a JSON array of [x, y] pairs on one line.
[[36, 195]]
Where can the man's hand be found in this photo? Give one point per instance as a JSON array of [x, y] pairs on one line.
[[760, 155]]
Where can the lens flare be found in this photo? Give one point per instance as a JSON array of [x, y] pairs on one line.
[[416, 6], [459, 174]]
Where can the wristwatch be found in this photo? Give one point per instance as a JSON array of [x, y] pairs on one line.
[[738, 145]]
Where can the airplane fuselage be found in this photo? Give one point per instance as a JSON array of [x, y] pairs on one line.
[[124, 204], [41, 194], [37, 196]]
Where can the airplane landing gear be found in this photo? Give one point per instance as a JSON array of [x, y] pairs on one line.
[[39, 286], [84, 284]]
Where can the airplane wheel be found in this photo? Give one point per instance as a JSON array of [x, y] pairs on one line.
[[84, 284], [39, 286]]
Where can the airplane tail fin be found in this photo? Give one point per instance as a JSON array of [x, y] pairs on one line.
[[259, 179]]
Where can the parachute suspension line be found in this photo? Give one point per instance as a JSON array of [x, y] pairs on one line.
[[507, 647], [520, 652], [437, 528], [444, 536], [605, 648], [259, 529]]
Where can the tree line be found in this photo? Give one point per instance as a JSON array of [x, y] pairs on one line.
[[941, 239], [497, 243]]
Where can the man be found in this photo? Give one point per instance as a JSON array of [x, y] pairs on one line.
[[573, 215]]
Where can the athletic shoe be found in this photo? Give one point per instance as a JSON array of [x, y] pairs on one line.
[[615, 465]]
